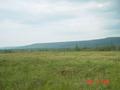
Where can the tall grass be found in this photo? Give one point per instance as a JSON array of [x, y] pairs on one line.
[[53, 70]]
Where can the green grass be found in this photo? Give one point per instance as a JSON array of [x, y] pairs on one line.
[[59, 70]]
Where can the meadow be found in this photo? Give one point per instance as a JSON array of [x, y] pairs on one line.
[[53, 70]]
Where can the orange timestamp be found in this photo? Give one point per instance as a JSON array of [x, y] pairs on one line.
[[104, 82]]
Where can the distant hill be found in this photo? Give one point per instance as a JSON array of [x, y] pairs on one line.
[[81, 44]]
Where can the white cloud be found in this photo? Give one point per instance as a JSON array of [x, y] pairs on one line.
[[49, 7], [84, 24], [84, 27]]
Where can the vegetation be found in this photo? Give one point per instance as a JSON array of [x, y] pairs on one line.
[[76, 48], [65, 70], [108, 48]]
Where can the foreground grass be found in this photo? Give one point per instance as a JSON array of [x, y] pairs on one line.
[[59, 70]]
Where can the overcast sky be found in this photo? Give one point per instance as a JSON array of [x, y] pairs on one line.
[[38, 21]]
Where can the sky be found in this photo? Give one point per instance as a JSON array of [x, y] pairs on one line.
[[25, 22]]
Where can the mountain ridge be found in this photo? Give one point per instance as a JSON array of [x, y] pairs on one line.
[[109, 41]]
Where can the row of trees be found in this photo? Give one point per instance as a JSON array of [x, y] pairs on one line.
[[76, 48], [102, 48]]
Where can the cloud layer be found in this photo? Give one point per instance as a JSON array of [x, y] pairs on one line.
[[36, 21]]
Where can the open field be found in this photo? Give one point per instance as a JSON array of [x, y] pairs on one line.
[[59, 70]]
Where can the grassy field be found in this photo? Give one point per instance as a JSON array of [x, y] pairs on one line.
[[59, 70]]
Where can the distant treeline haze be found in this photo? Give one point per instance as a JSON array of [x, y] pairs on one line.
[[76, 48]]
